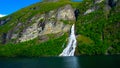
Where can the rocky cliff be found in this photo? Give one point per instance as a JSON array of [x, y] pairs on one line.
[[51, 22], [43, 28]]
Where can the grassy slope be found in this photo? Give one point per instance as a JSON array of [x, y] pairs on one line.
[[52, 47], [32, 48], [89, 28], [27, 13], [112, 31], [96, 25]]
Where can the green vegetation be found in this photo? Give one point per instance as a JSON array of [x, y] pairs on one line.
[[27, 13], [102, 28], [98, 33], [33, 48]]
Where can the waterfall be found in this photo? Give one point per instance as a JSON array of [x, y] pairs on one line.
[[70, 49]]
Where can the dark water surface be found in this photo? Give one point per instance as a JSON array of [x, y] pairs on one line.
[[62, 62]]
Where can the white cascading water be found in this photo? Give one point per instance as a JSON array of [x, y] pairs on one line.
[[70, 49]]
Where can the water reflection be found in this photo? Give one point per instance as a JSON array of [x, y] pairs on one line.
[[62, 62], [71, 62]]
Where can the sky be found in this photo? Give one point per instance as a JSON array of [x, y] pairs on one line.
[[10, 6]]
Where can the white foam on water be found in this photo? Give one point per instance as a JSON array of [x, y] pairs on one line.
[[70, 49]]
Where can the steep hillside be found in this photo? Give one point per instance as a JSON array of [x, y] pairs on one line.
[[42, 29], [40, 13], [45, 25], [99, 31]]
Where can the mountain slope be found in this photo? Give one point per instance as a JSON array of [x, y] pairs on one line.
[[42, 29], [42, 23], [100, 30], [27, 16]]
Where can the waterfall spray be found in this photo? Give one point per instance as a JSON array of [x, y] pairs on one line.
[[70, 49]]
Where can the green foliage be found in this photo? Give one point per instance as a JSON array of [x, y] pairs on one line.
[[84, 40], [33, 48], [104, 32], [91, 49], [86, 46], [112, 31], [98, 32], [27, 13]]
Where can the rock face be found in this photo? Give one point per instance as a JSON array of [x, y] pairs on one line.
[[98, 1], [51, 22], [4, 21], [66, 13], [112, 3], [109, 5], [89, 11], [92, 9]]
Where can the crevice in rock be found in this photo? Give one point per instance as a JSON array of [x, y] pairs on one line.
[[112, 3], [76, 12]]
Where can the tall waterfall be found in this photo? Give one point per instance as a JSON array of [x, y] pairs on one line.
[[70, 49]]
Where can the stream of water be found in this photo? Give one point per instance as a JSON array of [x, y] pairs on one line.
[[70, 49]]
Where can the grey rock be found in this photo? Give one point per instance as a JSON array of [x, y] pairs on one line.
[[66, 13], [98, 1], [48, 23], [41, 25], [2, 22], [92, 9], [30, 33], [89, 11]]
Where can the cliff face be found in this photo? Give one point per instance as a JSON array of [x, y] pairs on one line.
[[43, 28], [51, 22], [2, 22]]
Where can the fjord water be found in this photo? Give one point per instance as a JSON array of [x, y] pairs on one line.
[[62, 62], [70, 49]]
